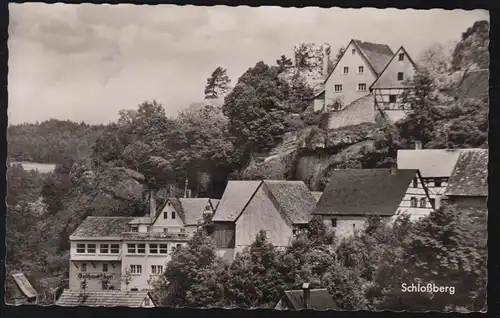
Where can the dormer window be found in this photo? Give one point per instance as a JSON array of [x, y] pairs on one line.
[[353, 51], [401, 56]]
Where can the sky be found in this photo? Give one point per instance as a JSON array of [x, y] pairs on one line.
[[86, 62]]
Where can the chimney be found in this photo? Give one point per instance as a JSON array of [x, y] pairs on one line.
[[307, 295], [152, 203], [186, 188], [418, 145], [394, 168]]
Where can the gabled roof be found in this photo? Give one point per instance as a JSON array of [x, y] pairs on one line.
[[293, 198], [316, 195], [470, 176], [376, 55], [364, 192], [320, 299], [190, 210], [390, 61], [235, 198], [107, 226], [24, 285], [107, 298], [431, 162]]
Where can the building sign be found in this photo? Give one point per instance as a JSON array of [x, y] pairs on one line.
[[96, 276]]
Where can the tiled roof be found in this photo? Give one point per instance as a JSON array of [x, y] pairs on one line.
[[378, 55], [294, 198], [190, 210], [24, 285], [95, 226], [387, 80], [159, 236], [115, 298], [364, 191], [320, 299], [235, 197], [470, 176], [316, 195], [430, 162], [358, 112]]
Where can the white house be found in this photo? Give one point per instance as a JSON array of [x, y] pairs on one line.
[[391, 82], [352, 195]]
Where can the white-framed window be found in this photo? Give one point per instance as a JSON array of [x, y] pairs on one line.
[[136, 248], [91, 248], [135, 269], [84, 267], [156, 248], [115, 248], [337, 88], [104, 248], [105, 267], [361, 69], [80, 248], [362, 87], [156, 269], [345, 70]]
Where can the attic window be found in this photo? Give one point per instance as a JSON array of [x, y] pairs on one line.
[[413, 202], [173, 215], [401, 56], [360, 69], [353, 51], [400, 76], [422, 202], [346, 69], [165, 215]]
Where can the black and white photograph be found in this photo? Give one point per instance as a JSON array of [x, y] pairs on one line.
[[247, 157]]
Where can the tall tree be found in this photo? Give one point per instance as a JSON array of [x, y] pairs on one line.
[[284, 63], [217, 84]]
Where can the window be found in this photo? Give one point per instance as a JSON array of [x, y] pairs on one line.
[[163, 248], [173, 215], [146, 301], [104, 248], [354, 225], [165, 230], [104, 267], [415, 182], [353, 51], [165, 215], [136, 269], [156, 269], [433, 202], [392, 98], [115, 248], [136, 248], [401, 56], [91, 248], [400, 76], [362, 87], [346, 69], [178, 245], [183, 230], [84, 267], [153, 248], [361, 69], [134, 229], [80, 248], [422, 202], [334, 222], [437, 182], [413, 202], [338, 88]]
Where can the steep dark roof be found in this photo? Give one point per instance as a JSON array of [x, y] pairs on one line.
[[320, 299], [378, 55], [470, 176], [114, 298], [95, 226], [235, 197], [294, 199], [190, 210], [364, 191], [24, 285]]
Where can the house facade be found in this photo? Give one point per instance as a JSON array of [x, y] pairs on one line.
[[123, 253], [280, 208], [388, 87], [435, 166], [353, 195]]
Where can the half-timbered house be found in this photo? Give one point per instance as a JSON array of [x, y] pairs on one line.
[[353, 195], [280, 208]]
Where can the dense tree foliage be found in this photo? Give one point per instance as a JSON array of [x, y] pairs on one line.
[[217, 84]]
